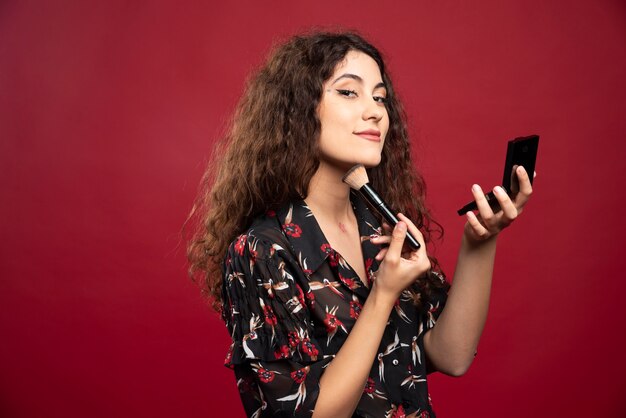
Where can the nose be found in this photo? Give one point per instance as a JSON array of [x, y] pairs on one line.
[[373, 110]]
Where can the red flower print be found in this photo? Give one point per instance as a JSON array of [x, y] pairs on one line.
[[332, 322], [333, 258], [229, 357], [424, 414], [399, 413], [355, 309], [299, 375], [253, 254], [265, 375], [370, 386], [310, 297], [294, 339], [368, 263], [292, 229], [281, 352], [300, 295], [368, 269], [309, 348], [270, 318], [350, 282], [326, 249], [240, 244]]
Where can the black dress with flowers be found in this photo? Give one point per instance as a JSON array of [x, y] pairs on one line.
[[290, 301]]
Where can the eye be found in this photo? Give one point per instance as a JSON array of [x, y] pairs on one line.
[[380, 99], [347, 93]]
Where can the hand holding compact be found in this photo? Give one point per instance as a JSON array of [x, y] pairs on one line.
[[486, 224]]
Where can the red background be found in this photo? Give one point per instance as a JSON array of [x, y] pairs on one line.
[[108, 111]]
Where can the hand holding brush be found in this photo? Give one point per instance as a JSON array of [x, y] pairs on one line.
[[357, 178]]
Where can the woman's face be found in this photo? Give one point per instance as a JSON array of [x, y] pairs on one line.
[[352, 113]]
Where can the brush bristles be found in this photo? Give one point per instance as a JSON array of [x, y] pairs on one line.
[[356, 177]]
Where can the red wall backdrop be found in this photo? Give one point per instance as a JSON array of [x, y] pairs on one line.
[[108, 111]]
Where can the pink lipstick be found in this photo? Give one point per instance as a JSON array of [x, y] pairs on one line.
[[369, 134]]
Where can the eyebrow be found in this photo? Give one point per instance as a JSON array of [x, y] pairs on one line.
[[357, 78]]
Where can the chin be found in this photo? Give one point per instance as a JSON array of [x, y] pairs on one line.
[[369, 162]]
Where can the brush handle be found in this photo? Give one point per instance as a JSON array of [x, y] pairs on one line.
[[371, 196]]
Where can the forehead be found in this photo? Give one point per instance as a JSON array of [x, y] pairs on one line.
[[358, 63]]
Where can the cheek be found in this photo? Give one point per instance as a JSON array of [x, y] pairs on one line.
[[328, 120], [385, 128]]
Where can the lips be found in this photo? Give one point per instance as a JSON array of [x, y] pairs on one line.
[[370, 135]]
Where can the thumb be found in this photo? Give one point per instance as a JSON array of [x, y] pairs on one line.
[[397, 242]]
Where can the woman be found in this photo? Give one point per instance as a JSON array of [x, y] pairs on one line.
[[330, 314]]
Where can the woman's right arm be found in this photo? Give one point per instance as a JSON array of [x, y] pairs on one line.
[[341, 385]]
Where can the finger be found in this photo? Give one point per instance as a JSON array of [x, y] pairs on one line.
[[526, 188], [380, 239], [508, 208], [387, 228], [397, 241], [486, 213], [412, 228], [478, 228], [381, 254], [514, 183]]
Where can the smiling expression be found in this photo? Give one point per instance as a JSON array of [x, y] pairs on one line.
[[352, 113]]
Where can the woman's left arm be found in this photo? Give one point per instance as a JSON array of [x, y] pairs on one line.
[[451, 344]]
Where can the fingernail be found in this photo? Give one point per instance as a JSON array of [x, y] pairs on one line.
[[374, 236], [498, 190], [476, 188], [401, 226]]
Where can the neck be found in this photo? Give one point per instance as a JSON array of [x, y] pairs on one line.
[[329, 197]]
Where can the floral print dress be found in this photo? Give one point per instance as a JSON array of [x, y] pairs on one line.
[[290, 302]]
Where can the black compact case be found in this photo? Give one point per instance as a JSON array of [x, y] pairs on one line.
[[520, 151]]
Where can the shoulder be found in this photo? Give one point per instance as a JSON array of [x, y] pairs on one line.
[[261, 240], [260, 273]]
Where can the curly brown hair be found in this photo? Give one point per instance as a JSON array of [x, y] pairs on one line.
[[270, 153]]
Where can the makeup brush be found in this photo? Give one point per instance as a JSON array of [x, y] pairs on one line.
[[357, 178]]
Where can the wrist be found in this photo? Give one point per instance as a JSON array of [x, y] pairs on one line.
[[382, 298], [470, 239], [471, 243]]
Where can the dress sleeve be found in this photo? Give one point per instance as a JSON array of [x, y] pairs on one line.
[[276, 359], [433, 307], [436, 301]]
